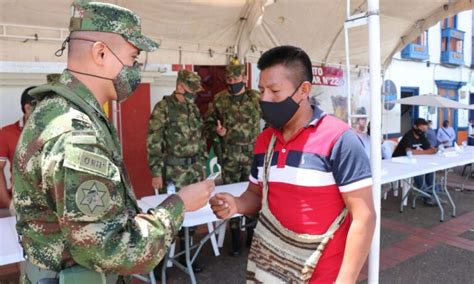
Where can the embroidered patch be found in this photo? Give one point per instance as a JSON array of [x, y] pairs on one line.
[[93, 162], [92, 198], [82, 139]]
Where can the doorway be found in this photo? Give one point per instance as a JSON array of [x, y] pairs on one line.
[[408, 113]]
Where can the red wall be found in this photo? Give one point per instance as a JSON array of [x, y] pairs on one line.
[[135, 113]]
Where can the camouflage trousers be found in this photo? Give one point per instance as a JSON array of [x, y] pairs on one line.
[[182, 175], [236, 165]]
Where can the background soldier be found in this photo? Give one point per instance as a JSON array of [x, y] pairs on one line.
[[176, 148], [233, 119], [77, 213], [177, 151]]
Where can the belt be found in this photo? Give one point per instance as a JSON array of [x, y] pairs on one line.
[[73, 275], [35, 273], [181, 161]]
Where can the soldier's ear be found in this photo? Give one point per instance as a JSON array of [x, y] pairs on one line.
[[99, 53]]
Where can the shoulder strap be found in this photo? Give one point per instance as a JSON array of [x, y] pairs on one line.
[[171, 115]]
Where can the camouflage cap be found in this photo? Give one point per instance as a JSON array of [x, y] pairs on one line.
[[234, 70], [105, 17], [53, 77], [190, 79]]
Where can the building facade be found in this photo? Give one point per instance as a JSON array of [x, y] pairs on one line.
[[439, 62]]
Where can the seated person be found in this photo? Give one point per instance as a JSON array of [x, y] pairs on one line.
[[470, 134], [387, 149], [431, 135], [446, 135], [416, 141]]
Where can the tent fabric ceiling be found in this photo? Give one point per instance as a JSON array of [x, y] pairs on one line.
[[209, 31]]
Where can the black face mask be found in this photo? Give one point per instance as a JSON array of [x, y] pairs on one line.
[[278, 114], [190, 96], [235, 88]]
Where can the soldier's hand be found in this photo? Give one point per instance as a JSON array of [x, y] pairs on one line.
[[223, 205], [196, 195], [221, 131], [157, 183]]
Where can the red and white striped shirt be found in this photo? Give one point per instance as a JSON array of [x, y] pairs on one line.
[[307, 176]]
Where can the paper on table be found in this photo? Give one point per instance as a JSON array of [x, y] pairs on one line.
[[450, 154], [403, 160]]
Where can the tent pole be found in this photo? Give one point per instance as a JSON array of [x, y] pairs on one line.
[[375, 131], [348, 64]]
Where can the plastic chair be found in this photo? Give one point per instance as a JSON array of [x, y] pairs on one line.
[[394, 185]]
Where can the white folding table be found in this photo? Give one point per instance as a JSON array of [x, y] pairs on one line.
[[10, 250], [192, 219], [397, 169]]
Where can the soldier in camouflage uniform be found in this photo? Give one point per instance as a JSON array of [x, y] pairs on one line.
[[77, 213], [233, 119], [176, 148], [177, 151]]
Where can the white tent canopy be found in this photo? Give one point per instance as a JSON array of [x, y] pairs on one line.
[[433, 101], [209, 31]]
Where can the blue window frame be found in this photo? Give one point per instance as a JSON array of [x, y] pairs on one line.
[[417, 49], [452, 42]]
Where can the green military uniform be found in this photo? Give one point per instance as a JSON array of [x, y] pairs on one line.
[[240, 115], [177, 150], [75, 205], [53, 77]]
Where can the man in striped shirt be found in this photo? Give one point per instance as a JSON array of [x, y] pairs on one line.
[[318, 168]]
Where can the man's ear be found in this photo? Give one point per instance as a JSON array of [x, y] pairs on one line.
[[306, 89], [28, 108], [180, 88], [99, 52]]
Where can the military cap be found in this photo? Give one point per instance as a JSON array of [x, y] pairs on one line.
[[235, 70], [53, 77], [190, 79], [105, 17]]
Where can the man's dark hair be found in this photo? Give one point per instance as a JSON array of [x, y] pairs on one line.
[[420, 121], [26, 98], [292, 58], [445, 123]]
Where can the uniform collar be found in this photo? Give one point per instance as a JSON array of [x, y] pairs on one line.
[[72, 83]]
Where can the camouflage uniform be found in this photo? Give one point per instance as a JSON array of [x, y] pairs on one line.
[[53, 77], [177, 150], [240, 115], [74, 201]]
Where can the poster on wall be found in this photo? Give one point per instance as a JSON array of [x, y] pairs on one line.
[[330, 91]]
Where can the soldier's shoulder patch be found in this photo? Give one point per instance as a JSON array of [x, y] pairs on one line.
[[88, 162], [82, 137], [92, 198], [78, 115]]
